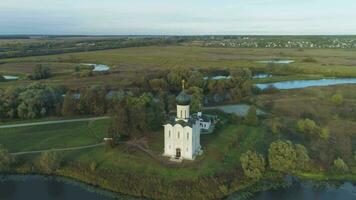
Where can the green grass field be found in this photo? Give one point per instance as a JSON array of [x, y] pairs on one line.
[[44, 137], [221, 149]]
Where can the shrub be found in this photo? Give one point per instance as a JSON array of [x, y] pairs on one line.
[[251, 117], [253, 164], [337, 99], [93, 166], [307, 126], [340, 166], [5, 158], [282, 156], [49, 161], [302, 157], [40, 72]]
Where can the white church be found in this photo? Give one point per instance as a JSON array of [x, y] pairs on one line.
[[182, 134]]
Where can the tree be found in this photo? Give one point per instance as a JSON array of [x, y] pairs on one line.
[[253, 164], [251, 117], [340, 166], [302, 157], [307, 126], [40, 72], [282, 156], [158, 85], [197, 98], [119, 127], [196, 79], [324, 134], [69, 105], [5, 158], [337, 99], [49, 161], [2, 105], [37, 100], [176, 75]]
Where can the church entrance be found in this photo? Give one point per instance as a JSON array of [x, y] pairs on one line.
[[178, 153]]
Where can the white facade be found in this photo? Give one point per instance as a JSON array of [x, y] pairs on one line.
[[182, 135], [182, 142]]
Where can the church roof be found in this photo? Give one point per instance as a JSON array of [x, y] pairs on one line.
[[183, 99]]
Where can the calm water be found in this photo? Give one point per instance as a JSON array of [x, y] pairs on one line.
[[276, 61], [17, 187], [307, 83], [99, 67], [10, 77], [310, 191], [261, 75], [217, 78]]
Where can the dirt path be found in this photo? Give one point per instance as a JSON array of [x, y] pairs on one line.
[[61, 149], [52, 122]]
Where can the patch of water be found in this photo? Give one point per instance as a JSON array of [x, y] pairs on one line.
[[276, 61], [261, 75], [99, 67], [217, 78], [8, 77], [285, 85]]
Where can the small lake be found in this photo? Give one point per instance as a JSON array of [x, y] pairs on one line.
[[10, 78], [99, 67], [261, 75], [285, 85], [237, 109], [19, 187], [276, 61]]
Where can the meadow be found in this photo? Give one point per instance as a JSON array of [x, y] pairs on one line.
[[127, 63]]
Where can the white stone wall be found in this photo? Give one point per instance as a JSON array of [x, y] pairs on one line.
[[183, 112], [187, 139]]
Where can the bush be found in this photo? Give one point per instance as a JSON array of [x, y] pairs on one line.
[[282, 156], [253, 164], [302, 157], [307, 126], [5, 159], [337, 99], [40, 72], [251, 117], [49, 161], [340, 166], [93, 166]]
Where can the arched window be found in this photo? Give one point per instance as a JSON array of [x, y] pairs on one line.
[[185, 113], [178, 135], [169, 134], [188, 136], [181, 113]]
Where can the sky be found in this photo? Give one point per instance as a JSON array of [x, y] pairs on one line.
[[178, 17]]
